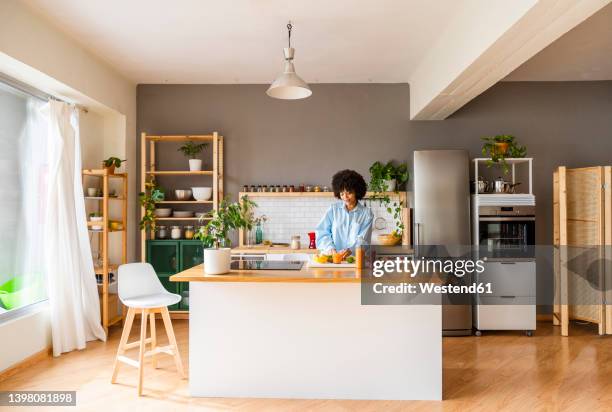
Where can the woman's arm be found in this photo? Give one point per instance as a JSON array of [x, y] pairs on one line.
[[323, 232]]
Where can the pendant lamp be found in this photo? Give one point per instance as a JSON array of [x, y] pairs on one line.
[[288, 85]]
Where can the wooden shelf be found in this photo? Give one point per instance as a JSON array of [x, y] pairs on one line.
[[149, 156], [181, 138], [185, 202], [509, 160], [179, 172], [102, 198], [102, 173], [110, 313], [308, 194]]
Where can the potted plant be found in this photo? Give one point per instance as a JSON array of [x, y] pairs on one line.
[[111, 163], [215, 235], [501, 147], [191, 150], [388, 177], [148, 199], [95, 217]]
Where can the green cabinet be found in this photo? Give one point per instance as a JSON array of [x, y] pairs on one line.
[[172, 256]]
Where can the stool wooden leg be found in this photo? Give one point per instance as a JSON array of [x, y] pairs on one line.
[[172, 340], [127, 327], [153, 339], [143, 338]]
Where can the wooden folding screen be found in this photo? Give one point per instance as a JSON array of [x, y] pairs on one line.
[[582, 204]]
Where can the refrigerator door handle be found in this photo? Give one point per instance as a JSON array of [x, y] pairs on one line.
[[417, 234]]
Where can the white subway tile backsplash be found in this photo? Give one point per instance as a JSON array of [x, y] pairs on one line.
[[299, 215]]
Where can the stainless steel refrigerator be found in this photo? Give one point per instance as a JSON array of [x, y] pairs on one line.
[[442, 218]]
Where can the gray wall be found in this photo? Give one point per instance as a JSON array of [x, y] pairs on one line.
[[351, 125]]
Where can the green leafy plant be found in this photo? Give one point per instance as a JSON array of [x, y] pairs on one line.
[[191, 149], [113, 161], [380, 173], [95, 214], [148, 199], [228, 217], [501, 147]]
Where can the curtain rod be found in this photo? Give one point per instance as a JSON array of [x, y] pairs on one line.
[[33, 91]]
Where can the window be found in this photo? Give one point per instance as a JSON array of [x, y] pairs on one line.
[[23, 173]]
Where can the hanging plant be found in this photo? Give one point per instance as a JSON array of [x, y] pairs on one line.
[[380, 175], [501, 147], [148, 199]]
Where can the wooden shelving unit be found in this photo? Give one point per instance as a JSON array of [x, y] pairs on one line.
[[149, 149], [109, 305]]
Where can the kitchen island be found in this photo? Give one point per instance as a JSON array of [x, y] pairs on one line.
[[305, 334]]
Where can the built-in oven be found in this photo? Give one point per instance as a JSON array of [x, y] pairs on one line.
[[506, 232]]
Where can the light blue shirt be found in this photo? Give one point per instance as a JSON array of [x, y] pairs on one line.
[[340, 229]]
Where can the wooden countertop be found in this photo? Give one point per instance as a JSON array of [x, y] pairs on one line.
[[305, 275]]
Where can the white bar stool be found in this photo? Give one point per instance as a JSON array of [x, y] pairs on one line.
[[142, 292]]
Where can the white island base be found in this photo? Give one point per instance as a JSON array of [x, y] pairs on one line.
[[310, 340]]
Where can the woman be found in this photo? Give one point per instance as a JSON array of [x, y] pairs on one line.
[[347, 221]]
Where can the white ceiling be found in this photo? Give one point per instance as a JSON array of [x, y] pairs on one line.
[[241, 41], [583, 53]]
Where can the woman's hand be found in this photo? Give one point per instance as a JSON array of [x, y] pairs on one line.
[[345, 253]]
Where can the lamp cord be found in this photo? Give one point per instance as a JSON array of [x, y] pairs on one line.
[[289, 27]]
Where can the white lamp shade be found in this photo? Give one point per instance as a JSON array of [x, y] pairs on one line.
[[289, 85]]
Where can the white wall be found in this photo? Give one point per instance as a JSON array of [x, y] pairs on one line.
[[24, 337], [35, 52]]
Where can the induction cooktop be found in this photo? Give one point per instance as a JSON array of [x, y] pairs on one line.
[[266, 265]]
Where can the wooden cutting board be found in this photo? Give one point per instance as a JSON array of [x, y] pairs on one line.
[[314, 264]]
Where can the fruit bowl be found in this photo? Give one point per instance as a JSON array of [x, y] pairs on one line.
[[389, 239]]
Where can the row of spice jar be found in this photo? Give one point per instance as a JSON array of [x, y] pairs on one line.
[[285, 188], [175, 232]]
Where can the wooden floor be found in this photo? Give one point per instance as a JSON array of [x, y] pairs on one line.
[[498, 371]]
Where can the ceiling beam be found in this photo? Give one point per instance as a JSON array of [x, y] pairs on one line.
[[484, 44]]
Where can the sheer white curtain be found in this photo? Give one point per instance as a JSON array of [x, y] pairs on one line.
[[71, 283], [33, 169]]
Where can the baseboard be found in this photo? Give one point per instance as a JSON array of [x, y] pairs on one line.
[[26, 363]]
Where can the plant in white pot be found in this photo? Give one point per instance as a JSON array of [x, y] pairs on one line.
[[215, 235], [388, 177], [191, 150]]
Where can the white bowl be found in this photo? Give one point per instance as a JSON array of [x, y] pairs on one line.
[[202, 193], [163, 212]]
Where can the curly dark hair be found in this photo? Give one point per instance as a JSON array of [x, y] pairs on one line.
[[351, 181]]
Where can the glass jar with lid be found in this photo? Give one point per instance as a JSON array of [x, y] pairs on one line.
[[295, 242], [175, 232], [161, 232], [189, 232]]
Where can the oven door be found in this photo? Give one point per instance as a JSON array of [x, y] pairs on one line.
[[507, 237]]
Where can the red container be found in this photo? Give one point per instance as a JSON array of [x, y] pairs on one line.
[[313, 240]]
